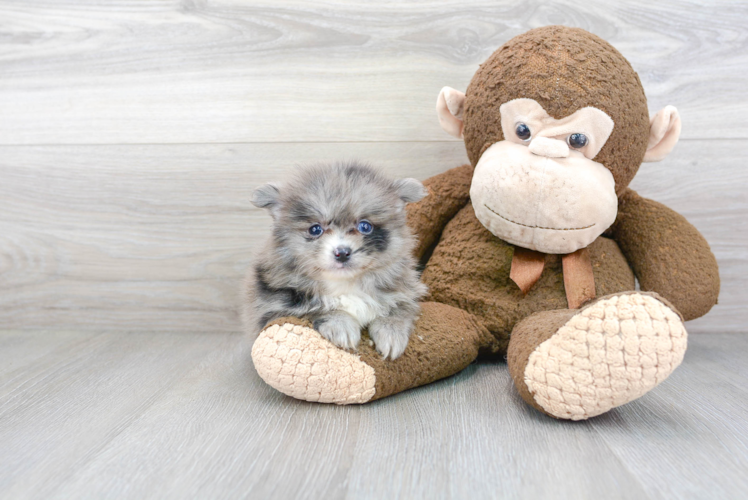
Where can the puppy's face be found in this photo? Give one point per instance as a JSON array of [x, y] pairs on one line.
[[343, 245], [336, 222]]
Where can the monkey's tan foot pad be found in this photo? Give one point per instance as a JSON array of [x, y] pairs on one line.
[[297, 361], [611, 352]]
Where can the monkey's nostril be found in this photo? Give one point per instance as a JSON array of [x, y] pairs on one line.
[[342, 254], [551, 148]]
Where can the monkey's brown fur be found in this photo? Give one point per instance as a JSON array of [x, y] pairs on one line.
[[563, 69], [467, 267]]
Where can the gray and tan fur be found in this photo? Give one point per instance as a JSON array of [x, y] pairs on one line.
[[343, 279]]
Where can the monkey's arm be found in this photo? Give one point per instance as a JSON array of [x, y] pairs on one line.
[[668, 255], [448, 193]]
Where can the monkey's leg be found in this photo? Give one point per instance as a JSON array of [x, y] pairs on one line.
[[296, 360], [576, 364]]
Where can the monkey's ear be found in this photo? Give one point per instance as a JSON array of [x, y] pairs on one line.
[[664, 131], [449, 107], [410, 190], [266, 196]]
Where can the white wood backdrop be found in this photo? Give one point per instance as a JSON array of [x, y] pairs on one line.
[[133, 132]]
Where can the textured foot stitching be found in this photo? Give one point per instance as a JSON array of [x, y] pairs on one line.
[[298, 361], [607, 355]]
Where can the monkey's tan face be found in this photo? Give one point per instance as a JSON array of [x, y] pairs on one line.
[[539, 188]]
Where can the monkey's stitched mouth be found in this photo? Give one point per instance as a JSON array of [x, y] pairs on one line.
[[538, 227]]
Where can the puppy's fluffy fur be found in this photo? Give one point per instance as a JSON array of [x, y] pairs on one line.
[[373, 280]]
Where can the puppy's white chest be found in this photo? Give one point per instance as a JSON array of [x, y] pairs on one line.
[[355, 302], [358, 307]]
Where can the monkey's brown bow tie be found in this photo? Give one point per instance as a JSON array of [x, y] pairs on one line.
[[579, 282]]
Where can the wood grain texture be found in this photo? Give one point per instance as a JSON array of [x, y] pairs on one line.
[[678, 414], [159, 237], [80, 396], [225, 71], [131, 136], [176, 415], [149, 237]]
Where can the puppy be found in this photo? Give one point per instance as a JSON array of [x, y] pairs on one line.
[[341, 255]]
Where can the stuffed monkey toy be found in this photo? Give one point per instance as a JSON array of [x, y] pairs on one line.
[[532, 250]]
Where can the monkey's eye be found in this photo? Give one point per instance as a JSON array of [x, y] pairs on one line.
[[316, 230], [365, 227], [577, 141], [523, 131]]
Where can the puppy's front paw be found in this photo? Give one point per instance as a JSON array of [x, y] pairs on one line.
[[390, 336], [340, 329]]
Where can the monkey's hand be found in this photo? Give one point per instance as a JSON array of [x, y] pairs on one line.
[[668, 255], [448, 193]]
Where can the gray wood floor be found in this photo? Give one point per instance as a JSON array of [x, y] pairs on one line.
[[184, 415], [131, 136]]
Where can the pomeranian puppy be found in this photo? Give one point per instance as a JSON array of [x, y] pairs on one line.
[[341, 255]]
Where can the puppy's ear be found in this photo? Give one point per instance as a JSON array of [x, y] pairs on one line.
[[266, 197], [410, 190]]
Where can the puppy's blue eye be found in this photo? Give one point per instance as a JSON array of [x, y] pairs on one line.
[[365, 227], [316, 230]]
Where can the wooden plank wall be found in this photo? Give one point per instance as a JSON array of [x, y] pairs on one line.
[[132, 134]]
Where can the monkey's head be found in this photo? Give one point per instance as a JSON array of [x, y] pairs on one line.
[[556, 125]]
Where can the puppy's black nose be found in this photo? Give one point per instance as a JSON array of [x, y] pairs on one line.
[[342, 254]]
